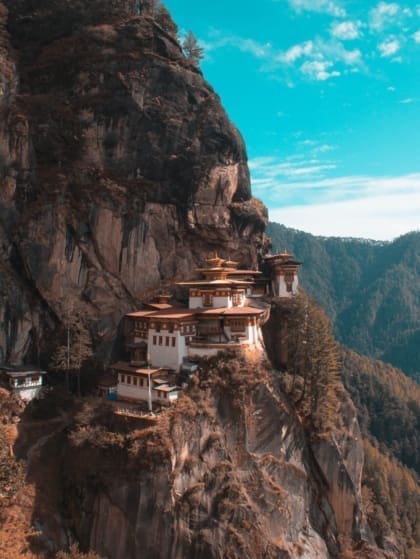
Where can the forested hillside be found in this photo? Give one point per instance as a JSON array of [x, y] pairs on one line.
[[371, 290], [388, 405]]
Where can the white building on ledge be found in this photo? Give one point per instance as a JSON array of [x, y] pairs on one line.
[[219, 316], [25, 381], [284, 274]]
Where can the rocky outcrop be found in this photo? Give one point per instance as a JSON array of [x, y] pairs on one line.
[[229, 473], [119, 168]]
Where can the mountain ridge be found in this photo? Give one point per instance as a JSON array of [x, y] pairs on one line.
[[371, 291]]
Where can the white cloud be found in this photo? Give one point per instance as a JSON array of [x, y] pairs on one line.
[[391, 88], [322, 6], [267, 171], [383, 218], [345, 30], [407, 101], [218, 40], [357, 206], [319, 70], [383, 14], [324, 148], [318, 59], [389, 47], [416, 36], [296, 51]]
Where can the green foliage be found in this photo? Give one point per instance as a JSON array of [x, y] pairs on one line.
[[191, 48], [392, 498], [388, 405], [370, 290], [313, 363], [74, 348]]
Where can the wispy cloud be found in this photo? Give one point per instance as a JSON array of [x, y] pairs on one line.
[[389, 47], [416, 36], [269, 171], [322, 6], [219, 40], [380, 217], [345, 30], [295, 52], [364, 206], [316, 60], [407, 101], [320, 70], [383, 14], [319, 60]]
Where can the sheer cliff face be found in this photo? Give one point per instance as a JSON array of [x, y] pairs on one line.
[[119, 168], [228, 473]]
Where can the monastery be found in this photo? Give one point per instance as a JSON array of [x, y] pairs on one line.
[[225, 311]]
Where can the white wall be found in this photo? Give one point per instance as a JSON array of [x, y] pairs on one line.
[[163, 355], [281, 287], [220, 302], [195, 302], [28, 394]]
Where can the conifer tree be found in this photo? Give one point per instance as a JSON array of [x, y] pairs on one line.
[[75, 348], [314, 360], [191, 48]]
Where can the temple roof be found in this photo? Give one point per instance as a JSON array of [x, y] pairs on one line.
[[127, 368], [234, 311], [179, 314], [216, 283]]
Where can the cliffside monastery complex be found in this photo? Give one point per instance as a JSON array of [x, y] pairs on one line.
[[225, 311]]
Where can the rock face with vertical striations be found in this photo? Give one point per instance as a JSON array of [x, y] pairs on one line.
[[120, 172], [119, 168]]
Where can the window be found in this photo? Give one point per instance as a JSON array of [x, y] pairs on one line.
[[207, 299], [128, 379], [135, 381], [160, 340], [237, 325], [167, 340], [141, 382], [122, 378], [154, 340], [173, 342]]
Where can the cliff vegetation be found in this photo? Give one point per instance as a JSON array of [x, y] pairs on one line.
[[369, 289]]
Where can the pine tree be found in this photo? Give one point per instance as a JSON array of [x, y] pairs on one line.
[[191, 48], [314, 361], [75, 349]]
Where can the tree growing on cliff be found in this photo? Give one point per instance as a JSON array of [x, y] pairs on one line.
[[74, 349], [313, 363], [192, 49]]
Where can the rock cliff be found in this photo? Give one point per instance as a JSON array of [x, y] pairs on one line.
[[228, 473], [119, 168], [120, 172]]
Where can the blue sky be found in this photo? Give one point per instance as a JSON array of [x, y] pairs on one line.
[[326, 94]]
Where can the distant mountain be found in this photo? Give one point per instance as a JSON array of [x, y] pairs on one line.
[[370, 289]]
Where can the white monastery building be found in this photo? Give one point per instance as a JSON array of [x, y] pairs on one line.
[[284, 273], [25, 381], [225, 311]]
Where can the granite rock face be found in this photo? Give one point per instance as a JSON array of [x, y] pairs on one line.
[[229, 472], [119, 168]]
